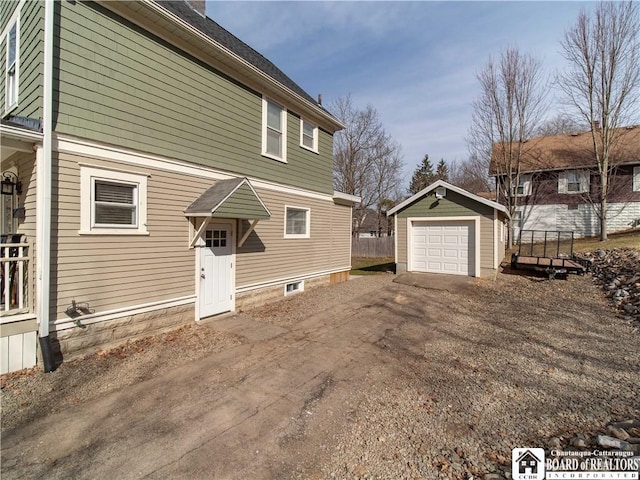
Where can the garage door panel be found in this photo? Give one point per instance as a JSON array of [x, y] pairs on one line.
[[442, 247]]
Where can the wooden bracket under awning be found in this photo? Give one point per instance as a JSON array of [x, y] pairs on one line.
[[233, 198]]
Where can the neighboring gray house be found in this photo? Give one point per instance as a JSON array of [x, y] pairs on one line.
[[156, 170]]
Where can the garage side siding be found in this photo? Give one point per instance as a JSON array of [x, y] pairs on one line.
[[453, 205]]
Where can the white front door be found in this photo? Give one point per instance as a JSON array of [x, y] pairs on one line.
[[215, 293]]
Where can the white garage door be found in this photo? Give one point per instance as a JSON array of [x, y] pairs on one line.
[[442, 247]]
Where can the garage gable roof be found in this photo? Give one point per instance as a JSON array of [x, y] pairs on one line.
[[448, 186]]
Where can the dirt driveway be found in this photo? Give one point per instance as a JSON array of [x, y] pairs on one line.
[[368, 379]]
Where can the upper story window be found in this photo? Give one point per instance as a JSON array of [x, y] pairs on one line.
[[112, 203], [12, 66], [274, 130], [636, 179], [573, 181], [297, 222], [308, 135], [523, 188]]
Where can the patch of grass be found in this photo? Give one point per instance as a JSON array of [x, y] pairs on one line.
[[616, 240], [371, 266]]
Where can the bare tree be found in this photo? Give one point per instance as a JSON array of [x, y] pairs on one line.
[[561, 124], [471, 174], [602, 83], [504, 116], [367, 161]]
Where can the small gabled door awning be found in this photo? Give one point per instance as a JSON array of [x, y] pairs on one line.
[[232, 198]]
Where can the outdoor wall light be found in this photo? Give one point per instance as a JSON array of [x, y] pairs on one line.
[[10, 183]]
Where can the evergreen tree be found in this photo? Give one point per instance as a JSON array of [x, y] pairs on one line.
[[422, 177], [442, 171]]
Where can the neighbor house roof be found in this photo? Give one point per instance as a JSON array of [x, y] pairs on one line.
[[559, 152], [442, 183]]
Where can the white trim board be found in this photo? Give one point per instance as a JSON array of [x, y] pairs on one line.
[[66, 323], [85, 148], [475, 219], [448, 186], [280, 281]]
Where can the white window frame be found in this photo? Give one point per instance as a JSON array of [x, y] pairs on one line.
[[314, 147], [283, 133], [88, 177], [636, 179], [11, 89], [583, 179], [307, 233], [525, 184], [297, 287]]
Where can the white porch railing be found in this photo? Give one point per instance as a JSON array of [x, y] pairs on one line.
[[15, 278]]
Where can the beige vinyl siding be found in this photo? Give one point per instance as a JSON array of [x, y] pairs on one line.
[[487, 251], [120, 85], [340, 235], [267, 255], [453, 205], [116, 271]]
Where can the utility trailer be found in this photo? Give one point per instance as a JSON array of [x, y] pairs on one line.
[[549, 252]]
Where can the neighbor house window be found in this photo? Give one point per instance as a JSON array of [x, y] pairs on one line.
[[12, 66], [297, 222], [636, 179], [274, 130], [523, 188], [112, 203], [308, 136], [573, 181]]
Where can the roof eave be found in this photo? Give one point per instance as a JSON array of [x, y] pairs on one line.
[[442, 183]]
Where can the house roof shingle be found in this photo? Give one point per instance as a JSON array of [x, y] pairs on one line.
[[558, 152], [217, 33]]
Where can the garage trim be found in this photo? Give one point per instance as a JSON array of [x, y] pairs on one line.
[[475, 219]]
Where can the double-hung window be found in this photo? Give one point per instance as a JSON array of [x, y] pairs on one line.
[[297, 222], [573, 181], [636, 179], [523, 188], [112, 203], [274, 130], [12, 66], [308, 135]]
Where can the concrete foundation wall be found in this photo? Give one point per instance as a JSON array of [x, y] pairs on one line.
[[76, 342]]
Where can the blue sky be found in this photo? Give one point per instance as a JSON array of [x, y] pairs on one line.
[[415, 62]]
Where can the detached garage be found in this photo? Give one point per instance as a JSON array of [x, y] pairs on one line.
[[445, 229]]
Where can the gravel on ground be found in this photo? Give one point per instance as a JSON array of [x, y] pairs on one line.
[[511, 363]]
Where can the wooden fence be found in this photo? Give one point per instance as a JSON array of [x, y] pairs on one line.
[[378, 247]]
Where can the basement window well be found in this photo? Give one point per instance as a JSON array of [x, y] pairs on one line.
[[293, 287]]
